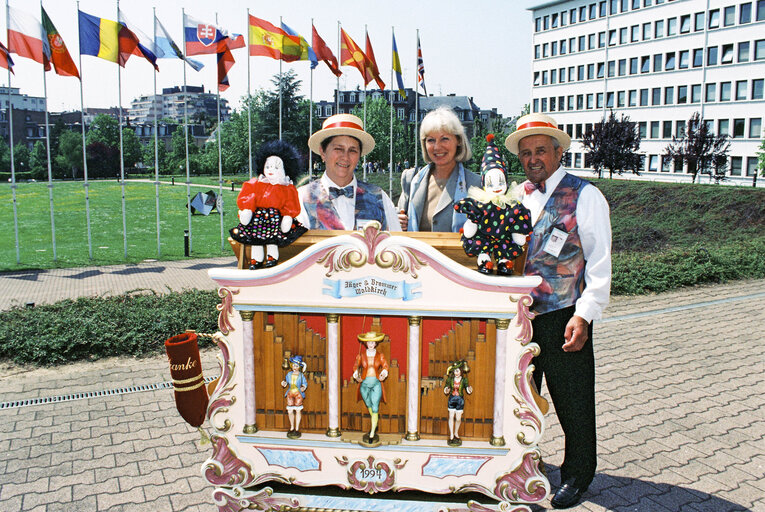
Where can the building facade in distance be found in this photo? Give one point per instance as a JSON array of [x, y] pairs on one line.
[[658, 62], [170, 105]]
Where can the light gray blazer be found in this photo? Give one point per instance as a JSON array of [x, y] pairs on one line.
[[442, 219]]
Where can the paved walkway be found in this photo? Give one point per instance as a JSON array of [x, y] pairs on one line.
[[680, 388]]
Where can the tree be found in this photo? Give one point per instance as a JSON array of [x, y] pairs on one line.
[[163, 156], [105, 133], [760, 163], [378, 126], [612, 144], [69, 155], [501, 131], [699, 148], [295, 112], [38, 161], [21, 156]]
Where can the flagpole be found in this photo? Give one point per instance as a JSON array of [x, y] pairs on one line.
[[390, 169], [122, 155], [186, 132], [10, 131], [310, 113], [339, 55], [280, 86], [84, 152], [219, 203], [50, 167], [364, 79], [156, 142], [249, 99], [416, 99]]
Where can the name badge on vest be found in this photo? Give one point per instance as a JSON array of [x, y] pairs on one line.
[[555, 243]]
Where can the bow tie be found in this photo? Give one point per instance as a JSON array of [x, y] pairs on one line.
[[335, 192], [529, 187]]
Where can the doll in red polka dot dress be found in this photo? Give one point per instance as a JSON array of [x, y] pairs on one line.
[[498, 224]]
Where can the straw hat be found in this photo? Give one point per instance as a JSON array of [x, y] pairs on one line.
[[342, 124], [536, 124], [377, 337]]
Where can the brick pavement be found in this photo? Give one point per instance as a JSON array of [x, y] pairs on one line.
[[680, 419]]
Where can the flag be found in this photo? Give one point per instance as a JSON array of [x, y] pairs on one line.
[[109, 40], [371, 67], [25, 35], [351, 55], [145, 46], [203, 38], [420, 68], [306, 52], [324, 53], [165, 43], [397, 69], [54, 49], [268, 40], [225, 61], [5, 58]]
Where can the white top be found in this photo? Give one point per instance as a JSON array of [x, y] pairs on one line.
[[346, 206], [592, 218]]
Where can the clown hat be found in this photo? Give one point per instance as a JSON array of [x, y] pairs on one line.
[[536, 124], [342, 124], [492, 159]]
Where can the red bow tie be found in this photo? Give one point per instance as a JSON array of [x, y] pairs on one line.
[[531, 187]]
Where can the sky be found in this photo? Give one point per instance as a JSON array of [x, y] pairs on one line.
[[479, 49]]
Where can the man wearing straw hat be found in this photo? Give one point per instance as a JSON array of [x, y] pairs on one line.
[[338, 200], [570, 248]]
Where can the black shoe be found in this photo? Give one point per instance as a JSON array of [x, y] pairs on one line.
[[503, 270], [568, 495], [254, 265], [487, 267], [270, 262]]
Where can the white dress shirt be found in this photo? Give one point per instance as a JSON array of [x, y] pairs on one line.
[[346, 206], [594, 224]]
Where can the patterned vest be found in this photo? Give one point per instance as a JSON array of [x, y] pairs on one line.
[[562, 276], [322, 215]]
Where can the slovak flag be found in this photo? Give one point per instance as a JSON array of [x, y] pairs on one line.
[[203, 38]]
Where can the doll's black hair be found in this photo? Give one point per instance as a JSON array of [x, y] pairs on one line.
[[284, 150]]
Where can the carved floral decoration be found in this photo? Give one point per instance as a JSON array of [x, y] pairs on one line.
[[226, 309], [237, 499], [222, 397]]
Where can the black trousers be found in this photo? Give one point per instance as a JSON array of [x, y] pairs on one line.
[[570, 378]]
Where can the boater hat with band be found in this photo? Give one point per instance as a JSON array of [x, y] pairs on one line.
[[536, 124], [342, 124]]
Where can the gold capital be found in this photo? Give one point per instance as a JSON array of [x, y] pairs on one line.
[[503, 323], [332, 318], [415, 320], [250, 429], [247, 315]]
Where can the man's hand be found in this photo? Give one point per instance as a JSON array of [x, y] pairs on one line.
[[403, 219], [575, 334]]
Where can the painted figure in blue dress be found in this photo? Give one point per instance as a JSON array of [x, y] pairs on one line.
[[296, 384]]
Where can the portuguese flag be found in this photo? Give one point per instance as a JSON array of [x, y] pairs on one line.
[[54, 49]]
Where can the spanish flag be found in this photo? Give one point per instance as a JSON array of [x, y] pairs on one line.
[[267, 40], [109, 40]]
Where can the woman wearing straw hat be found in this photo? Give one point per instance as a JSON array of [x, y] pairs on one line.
[[570, 248], [338, 200], [428, 196]]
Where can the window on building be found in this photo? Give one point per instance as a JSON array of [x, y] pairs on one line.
[[760, 10], [578, 160], [622, 67], [611, 37], [554, 20], [572, 15], [735, 166], [657, 60], [632, 98], [623, 35], [613, 6], [599, 100], [583, 13], [544, 77], [740, 90], [698, 22], [685, 24], [646, 31], [726, 56], [401, 112], [698, 57], [580, 101], [642, 130], [633, 66], [666, 131], [666, 163], [671, 26], [757, 88], [755, 128], [536, 105], [647, 3], [578, 130], [643, 97], [590, 101], [653, 163], [561, 75], [751, 165], [725, 88], [570, 102], [611, 68], [563, 47], [696, 93], [711, 94], [759, 49], [602, 10], [561, 103], [654, 129], [609, 100], [545, 48], [745, 13], [729, 16], [580, 73], [593, 11], [563, 18], [544, 105], [552, 104], [571, 73], [656, 96], [682, 94], [743, 51], [635, 4], [537, 51], [590, 42], [669, 64], [738, 127], [682, 60], [572, 44], [645, 64], [658, 29], [536, 77], [714, 18], [553, 77], [590, 71], [635, 33], [710, 125], [546, 22], [712, 56], [600, 70], [601, 39], [620, 99], [669, 95], [723, 127]]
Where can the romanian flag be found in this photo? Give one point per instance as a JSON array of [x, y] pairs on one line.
[[109, 40], [267, 40], [306, 52], [324, 53], [397, 69], [371, 69], [5, 58], [54, 49], [351, 55]]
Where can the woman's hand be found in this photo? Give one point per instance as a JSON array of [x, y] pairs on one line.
[[245, 216], [403, 219]]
